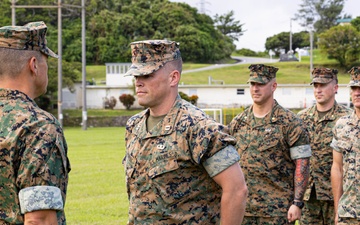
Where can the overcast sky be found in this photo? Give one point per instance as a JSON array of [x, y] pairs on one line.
[[262, 18]]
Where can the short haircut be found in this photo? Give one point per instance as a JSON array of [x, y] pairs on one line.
[[12, 61], [174, 65]]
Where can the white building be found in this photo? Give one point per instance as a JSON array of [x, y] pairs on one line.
[[210, 96]]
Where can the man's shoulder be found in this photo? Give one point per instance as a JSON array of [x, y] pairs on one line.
[[284, 114], [245, 113], [30, 114], [305, 112], [188, 111], [133, 120], [342, 109], [344, 119]]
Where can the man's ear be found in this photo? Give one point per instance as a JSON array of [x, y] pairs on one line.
[[33, 65], [175, 77], [274, 86]]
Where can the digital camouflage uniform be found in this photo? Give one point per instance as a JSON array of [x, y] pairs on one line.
[[33, 157], [268, 147], [169, 169], [321, 209], [33, 164], [346, 141], [267, 152]]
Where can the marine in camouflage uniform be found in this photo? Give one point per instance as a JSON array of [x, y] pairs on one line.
[[345, 171], [271, 149], [34, 165], [172, 166], [320, 120]]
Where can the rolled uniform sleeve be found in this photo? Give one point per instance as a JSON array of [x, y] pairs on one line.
[[40, 198], [335, 142], [299, 140], [221, 160], [43, 171]]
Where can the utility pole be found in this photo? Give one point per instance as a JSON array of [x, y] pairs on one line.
[[290, 44], [13, 12], [83, 58], [311, 51], [59, 7], [202, 6], [60, 114]]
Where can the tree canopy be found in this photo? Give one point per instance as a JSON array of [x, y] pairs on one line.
[[341, 43], [281, 41], [111, 25], [319, 15], [227, 25]]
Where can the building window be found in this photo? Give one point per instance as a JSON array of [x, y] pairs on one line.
[[240, 91]]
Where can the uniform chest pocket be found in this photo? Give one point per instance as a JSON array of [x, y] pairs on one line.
[[164, 180], [162, 167], [270, 150], [269, 140]]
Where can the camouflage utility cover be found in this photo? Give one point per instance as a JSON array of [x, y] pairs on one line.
[[323, 75], [354, 76], [321, 135], [260, 73], [169, 169], [31, 36], [346, 141], [33, 153], [149, 56], [267, 150]]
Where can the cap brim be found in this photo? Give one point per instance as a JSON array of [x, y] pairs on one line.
[[49, 52], [354, 84], [138, 69], [321, 80], [258, 80]]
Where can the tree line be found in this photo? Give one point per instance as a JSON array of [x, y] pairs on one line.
[[321, 17], [111, 25]]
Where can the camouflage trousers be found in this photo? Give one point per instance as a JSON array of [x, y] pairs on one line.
[[348, 221], [317, 212], [276, 220]]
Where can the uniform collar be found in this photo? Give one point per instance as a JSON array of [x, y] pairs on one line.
[[164, 127], [271, 117], [15, 94], [313, 113]]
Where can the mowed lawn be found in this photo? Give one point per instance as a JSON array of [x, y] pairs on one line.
[[96, 190]]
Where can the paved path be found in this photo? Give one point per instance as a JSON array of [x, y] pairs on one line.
[[242, 60]]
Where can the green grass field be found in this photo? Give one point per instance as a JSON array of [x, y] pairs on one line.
[[96, 191]]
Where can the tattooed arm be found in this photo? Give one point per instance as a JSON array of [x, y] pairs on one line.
[[301, 178]]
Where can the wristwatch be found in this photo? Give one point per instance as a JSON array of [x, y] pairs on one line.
[[298, 204]]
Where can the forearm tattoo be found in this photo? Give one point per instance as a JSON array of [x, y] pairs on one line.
[[301, 177]]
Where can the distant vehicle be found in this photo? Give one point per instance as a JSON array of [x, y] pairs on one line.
[[287, 57]]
